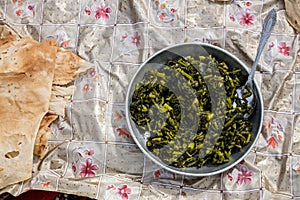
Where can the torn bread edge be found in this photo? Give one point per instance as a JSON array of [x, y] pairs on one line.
[[61, 92]]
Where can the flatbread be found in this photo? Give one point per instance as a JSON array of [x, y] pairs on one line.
[[35, 85], [26, 76], [43, 134], [7, 35], [292, 8], [68, 66], [59, 97]]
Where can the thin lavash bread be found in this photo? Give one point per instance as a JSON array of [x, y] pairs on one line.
[[35, 85], [26, 75], [292, 8]]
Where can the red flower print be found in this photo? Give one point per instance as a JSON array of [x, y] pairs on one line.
[[102, 12], [248, 3], [231, 17], [124, 191], [157, 173], [230, 177], [23, 9], [246, 19], [73, 167], [61, 38], [271, 46], [90, 152], [65, 43], [284, 49], [123, 132], [136, 39], [275, 130], [19, 12], [162, 16], [30, 7], [110, 187], [86, 87], [244, 176], [124, 36], [166, 12], [88, 11], [280, 138], [87, 169], [46, 184], [272, 142], [173, 10]]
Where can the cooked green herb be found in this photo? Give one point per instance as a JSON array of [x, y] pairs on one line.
[[190, 108]]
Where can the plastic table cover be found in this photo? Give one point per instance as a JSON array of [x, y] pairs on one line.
[[91, 152]]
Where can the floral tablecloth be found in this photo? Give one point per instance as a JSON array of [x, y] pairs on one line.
[[91, 152]]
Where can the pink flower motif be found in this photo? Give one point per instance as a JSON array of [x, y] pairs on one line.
[[102, 12], [271, 46], [124, 191], [65, 43], [173, 10], [90, 152], [24, 10], [284, 49], [230, 177], [124, 36], [246, 19], [244, 176], [88, 11], [232, 18], [31, 7], [73, 167], [248, 3], [87, 169], [110, 187], [136, 39]]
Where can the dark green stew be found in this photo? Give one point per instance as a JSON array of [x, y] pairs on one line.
[[190, 110]]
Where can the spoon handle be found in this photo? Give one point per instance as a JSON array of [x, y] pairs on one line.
[[268, 26]]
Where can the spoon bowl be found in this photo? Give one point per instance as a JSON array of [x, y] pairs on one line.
[[157, 61]]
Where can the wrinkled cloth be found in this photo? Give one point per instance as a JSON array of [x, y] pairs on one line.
[[91, 152]]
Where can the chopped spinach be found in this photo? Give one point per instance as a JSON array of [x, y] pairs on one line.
[[189, 107]]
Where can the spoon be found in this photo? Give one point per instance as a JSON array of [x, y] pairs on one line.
[[268, 26]]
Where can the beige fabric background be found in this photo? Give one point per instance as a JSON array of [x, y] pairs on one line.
[[118, 35]]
